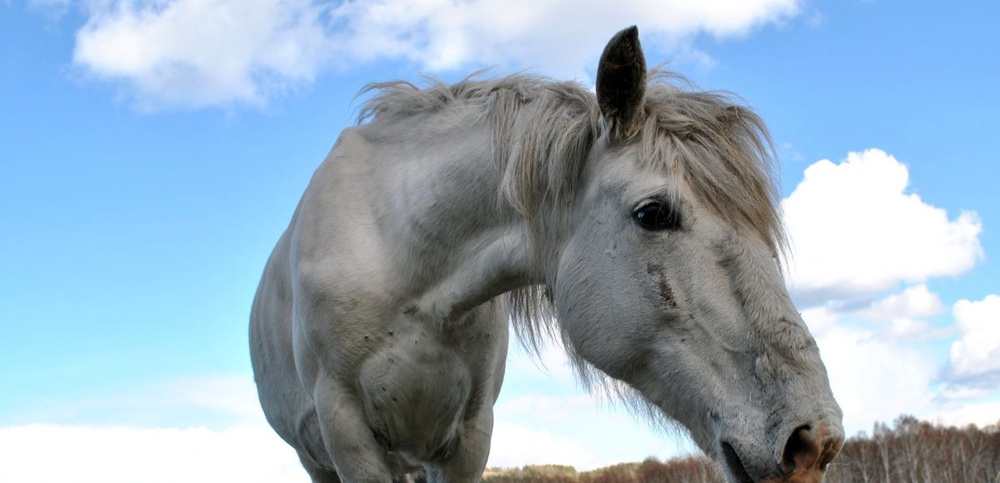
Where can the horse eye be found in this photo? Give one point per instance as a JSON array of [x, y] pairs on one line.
[[657, 215]]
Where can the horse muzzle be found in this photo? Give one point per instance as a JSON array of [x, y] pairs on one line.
[[802, 455]]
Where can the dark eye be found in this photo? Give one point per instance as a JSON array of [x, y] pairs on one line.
[[657, 215]]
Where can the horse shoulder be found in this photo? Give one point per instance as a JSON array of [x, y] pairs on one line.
[[341, 277]]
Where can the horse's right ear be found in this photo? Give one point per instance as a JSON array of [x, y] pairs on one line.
[[621, 83]]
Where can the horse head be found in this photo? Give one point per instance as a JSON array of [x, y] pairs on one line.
[[667, 276]]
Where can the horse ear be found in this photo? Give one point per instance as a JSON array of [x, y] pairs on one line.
[[621, 83]]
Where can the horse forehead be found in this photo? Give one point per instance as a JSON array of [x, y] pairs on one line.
[[631, 178]]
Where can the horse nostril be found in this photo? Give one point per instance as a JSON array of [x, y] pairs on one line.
[[801, 451], [811, 448]]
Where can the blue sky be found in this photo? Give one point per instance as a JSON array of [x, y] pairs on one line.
[[150, 158]]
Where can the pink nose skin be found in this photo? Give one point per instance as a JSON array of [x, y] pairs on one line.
[[808, 452]]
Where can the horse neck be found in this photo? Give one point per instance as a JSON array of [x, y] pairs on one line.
[[454, 243]]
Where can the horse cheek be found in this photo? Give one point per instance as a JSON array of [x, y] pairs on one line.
[[596, 305]]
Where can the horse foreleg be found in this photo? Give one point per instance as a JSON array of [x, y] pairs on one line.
[[468, 460], [346, 435], [317, 473]]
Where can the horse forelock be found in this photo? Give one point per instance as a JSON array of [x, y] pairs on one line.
[[542, 132], [724, 152]]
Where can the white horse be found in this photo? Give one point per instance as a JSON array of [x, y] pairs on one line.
[[645, 217]]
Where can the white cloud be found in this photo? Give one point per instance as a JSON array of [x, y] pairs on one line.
[[914, 302], [202, 52], [977, 352], [51, 453], [575, 429], [856, 232], [874, 378], [820, 319], [899, 316], [980, 413], [198, 429], [216, 401], [443, 34], [905, 312], [514, 445], [546, 410], [878, 373], [194, 53], [544, 416]]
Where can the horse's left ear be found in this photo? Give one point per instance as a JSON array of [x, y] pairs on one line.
[[621, 83]]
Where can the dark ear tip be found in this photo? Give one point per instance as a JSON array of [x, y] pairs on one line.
[[630, 34], [623, 43]]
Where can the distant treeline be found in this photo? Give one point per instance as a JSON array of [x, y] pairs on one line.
[[910, 451]]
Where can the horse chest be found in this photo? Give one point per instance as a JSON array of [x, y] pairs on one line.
[[415, 392]]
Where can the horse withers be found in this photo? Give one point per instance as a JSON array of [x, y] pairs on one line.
[[644, 218]]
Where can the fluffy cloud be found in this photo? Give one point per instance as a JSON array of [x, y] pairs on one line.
[[898, 316], [87, 454], [204, 429], [980, 413], [905, 312], [545, 417], [202, 52], [515, 445], [856, 232], [915, 301], [444, 34], [977, 352], [218, 402], [876, 373], [193, 53], [558, 424], [874, 378]]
